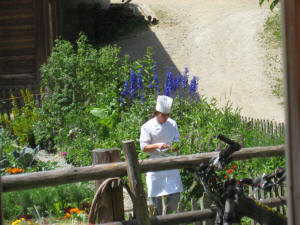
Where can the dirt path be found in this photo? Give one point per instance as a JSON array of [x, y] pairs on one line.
[[219, 42]]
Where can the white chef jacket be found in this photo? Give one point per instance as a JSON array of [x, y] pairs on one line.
[[167, 181]]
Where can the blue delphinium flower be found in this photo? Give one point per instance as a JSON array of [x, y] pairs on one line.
[[150, 86], [133, 85], [177, 81], [184, 80], [168, 83], [126, 91], [155, 78], [122, 101], [193, 86], [139, 80], [142, 98]]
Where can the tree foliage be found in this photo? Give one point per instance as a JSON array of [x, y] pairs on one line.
[[273, 4]]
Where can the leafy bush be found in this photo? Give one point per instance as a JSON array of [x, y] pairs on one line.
[[76, 79]]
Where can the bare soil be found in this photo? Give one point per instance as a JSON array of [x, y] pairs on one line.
[[219, 42]]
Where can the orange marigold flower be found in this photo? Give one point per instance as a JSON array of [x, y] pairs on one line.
[[73, 210], [68, 215]]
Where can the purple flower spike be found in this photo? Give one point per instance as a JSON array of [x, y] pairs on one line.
[[184, 82], [133, 83], [142, 98], [193, 87], [122, 101], [169, 87], [127, 89], [139, 79]]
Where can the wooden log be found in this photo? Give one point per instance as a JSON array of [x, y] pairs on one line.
[[172, 219], [192, 136], [192, 216], [118, 169], [111, 207], [136, 185], [1, 207], [147, 13], [204, 204], [195, 207], [180, 209], [251, 195]]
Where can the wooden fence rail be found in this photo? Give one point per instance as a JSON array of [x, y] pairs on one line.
[[193, 216], [118, 169]]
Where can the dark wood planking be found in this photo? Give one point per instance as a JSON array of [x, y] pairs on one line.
[[7, 59], [19, 42], [17, 68], [7, 5], [17, 82], [17, 20], [291, 41], [17, 52]]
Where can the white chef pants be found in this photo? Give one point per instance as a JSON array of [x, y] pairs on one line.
[[166, 205]]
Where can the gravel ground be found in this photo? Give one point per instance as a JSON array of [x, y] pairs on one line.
[[219, 42]]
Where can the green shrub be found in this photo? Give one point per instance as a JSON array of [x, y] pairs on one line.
[[75, 80]]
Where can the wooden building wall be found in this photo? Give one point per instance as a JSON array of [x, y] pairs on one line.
[[27, 29]]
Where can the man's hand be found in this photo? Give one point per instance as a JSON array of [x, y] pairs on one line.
[[162, 145], [174, 149]]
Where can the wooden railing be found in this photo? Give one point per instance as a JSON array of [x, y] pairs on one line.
[[119, 169]]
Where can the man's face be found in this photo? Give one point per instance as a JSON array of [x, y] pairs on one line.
[[162, 117]]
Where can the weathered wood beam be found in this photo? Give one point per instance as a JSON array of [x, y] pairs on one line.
[[71, 175], [291, 52], [111, 206], [193, 216], [135, 183]]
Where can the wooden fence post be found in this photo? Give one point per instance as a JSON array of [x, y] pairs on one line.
[[194, 208], [112, 205], [204, 204], [136, 185], [1, 211]]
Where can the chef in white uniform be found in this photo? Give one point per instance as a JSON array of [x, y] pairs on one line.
[[157, 135]]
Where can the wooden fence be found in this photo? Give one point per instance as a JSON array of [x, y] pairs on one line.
[[119, 169], [271, 128]]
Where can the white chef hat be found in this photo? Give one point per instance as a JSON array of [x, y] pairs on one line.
[[164, 104]]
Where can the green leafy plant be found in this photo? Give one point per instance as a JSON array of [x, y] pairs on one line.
[[23, 119], [47, 201]]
